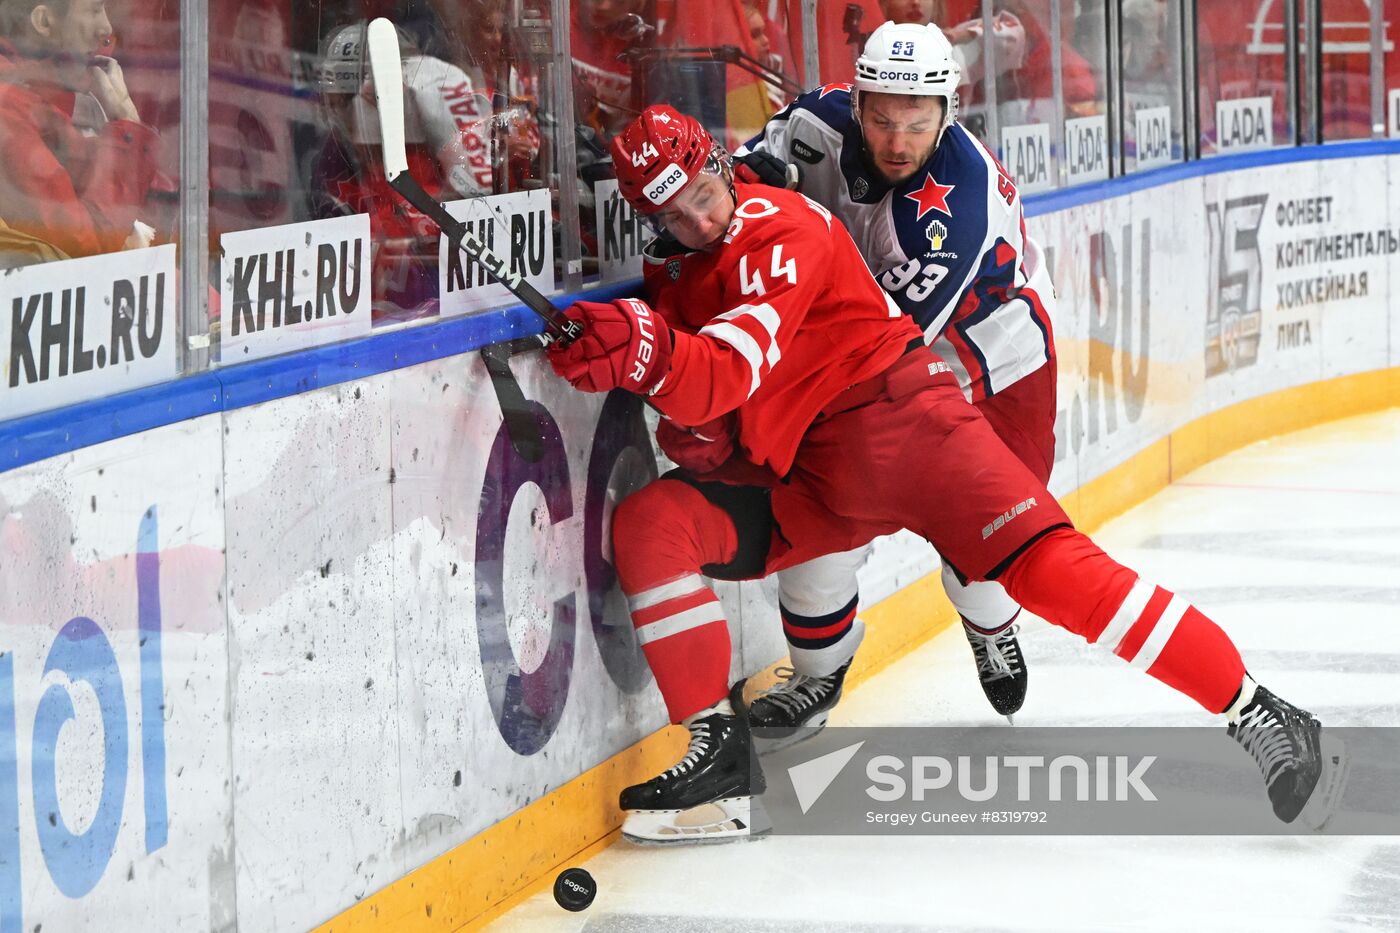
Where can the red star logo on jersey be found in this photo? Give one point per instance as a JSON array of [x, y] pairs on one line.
[[932, 196], [826, 89]]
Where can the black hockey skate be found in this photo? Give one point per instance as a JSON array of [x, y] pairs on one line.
[[707, 796], [1304, 771], [795, 708], [1000, 668]]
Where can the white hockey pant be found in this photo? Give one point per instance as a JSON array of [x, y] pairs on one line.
[[983, 605]]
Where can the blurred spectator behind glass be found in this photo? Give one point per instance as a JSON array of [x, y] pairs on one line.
[[961, 22], [80, 186], [1033, 82], [1023, 62], [476, 36], [758, 29], [603, 82], [908, 11], [1149, 77], [448, 152]]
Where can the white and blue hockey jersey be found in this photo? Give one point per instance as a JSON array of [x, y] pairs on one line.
[[948, 244]]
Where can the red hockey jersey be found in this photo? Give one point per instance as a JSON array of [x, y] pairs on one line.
[[773, 324]]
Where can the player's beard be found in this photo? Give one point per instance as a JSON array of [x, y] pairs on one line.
[[881, 174], [915, 164]]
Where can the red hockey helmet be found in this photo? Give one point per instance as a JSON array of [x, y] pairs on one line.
[[660, 154]]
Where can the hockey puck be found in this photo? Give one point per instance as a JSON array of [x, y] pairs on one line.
[[575, 889]]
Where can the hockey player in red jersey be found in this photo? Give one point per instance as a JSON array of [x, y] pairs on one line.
[[765, 331]]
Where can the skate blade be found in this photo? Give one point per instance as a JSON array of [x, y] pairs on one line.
[[1011, 719], [727, 820], [1331, 784], [766, 742]]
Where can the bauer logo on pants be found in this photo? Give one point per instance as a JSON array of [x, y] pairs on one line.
[[1017, 509]]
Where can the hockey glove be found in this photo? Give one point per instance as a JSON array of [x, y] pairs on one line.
[[625, 345], [764, 168], [699, 449]]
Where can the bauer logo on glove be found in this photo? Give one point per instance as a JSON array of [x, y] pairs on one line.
[[625, 345], [646, 334]]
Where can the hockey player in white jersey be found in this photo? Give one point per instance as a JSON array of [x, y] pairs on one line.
[[939, 222]]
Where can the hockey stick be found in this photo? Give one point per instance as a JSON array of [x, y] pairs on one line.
[[382, 40], [521, 423]]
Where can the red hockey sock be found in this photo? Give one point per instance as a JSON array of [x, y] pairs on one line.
[[1067, 579], [662, 535]]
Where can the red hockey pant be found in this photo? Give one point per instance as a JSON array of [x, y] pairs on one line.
[[904, 450]]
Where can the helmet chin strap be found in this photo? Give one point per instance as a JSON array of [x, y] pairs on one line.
[[950, 113]]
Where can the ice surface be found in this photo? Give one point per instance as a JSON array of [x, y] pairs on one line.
[[1293, 545]]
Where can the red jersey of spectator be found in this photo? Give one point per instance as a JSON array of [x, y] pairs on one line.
[[602, 80], [80, 193], [1035, 78], [1036, 75]]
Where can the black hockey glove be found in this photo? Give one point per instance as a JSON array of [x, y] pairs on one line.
[[764, 168]]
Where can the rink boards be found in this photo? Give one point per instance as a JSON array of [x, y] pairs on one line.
[[346, 650]]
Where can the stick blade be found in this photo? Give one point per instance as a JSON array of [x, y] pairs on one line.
[[384, 63]]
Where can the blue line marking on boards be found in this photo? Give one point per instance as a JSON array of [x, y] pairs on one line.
[[36, 437]]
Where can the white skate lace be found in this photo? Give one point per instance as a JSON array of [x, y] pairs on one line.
[[1263, 736], [699, 744], [795, 692], [996, 654]]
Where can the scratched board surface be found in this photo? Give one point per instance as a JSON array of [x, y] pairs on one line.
[[372, 627], [114, 688]]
